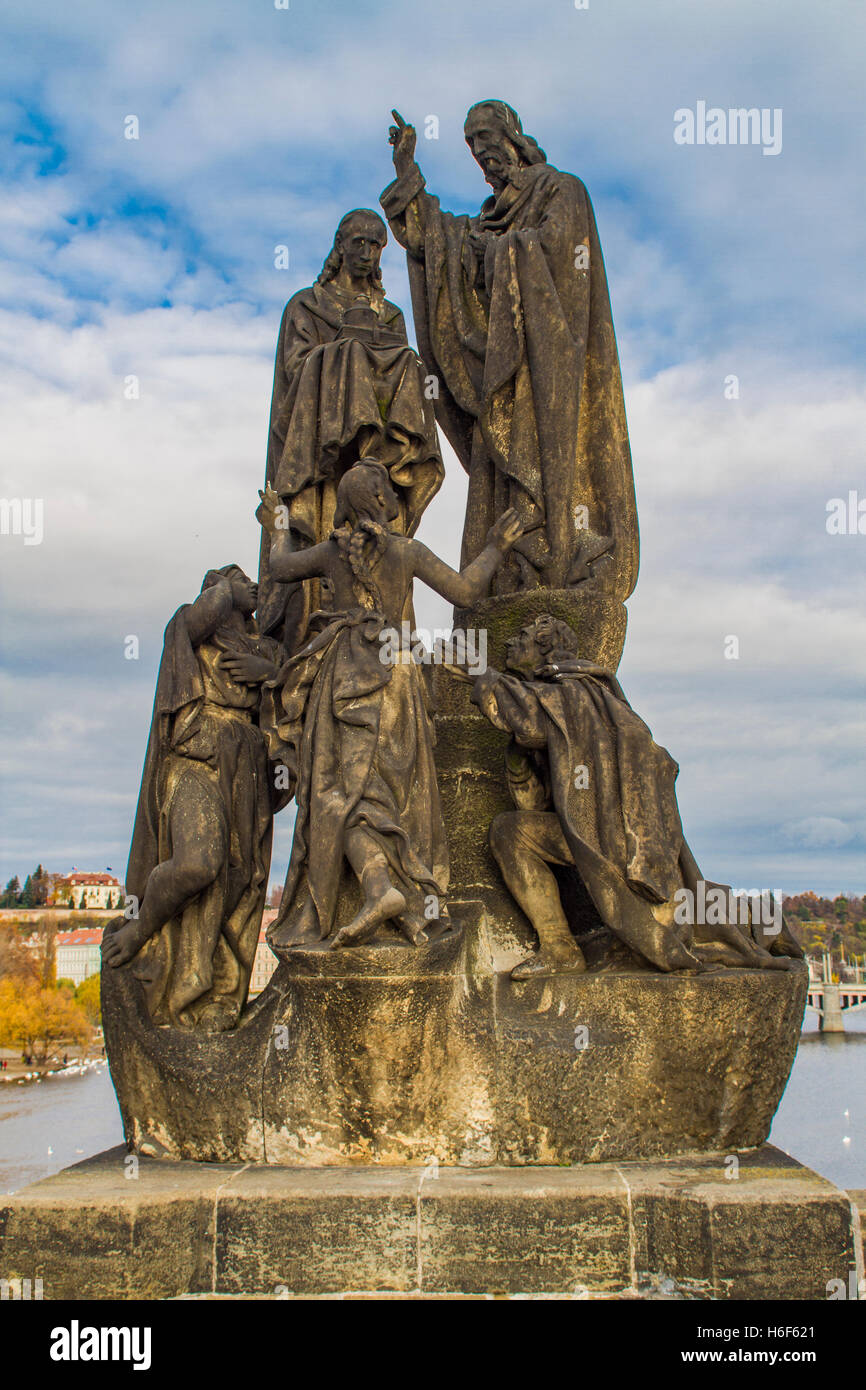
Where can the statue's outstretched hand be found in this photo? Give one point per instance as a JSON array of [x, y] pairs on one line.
[[402, 137], [504, 532], [271, 512]]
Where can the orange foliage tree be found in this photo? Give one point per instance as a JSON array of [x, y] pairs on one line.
[[35, 1017]]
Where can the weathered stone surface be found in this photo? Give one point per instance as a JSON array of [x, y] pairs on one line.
[[318, 1230], [403, 1054], [184, 1093], [546, 1231], [858, 1197], [470, 759], [680, 1227], [598, 619], [114, 1227], [752, 1231]]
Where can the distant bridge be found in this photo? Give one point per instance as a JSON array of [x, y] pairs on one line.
[[831, 997]]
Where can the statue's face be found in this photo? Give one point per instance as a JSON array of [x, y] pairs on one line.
[[245, 594], [360, 245], [491, 147], [522, 652], [387, 497]]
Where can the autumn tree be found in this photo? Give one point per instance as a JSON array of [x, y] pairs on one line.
[[16, 961], [35, 1018], [87, 996]]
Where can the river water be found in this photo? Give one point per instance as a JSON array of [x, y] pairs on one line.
[[45, 1126]]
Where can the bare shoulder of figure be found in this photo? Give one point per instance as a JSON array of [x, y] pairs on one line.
[[408, 545]]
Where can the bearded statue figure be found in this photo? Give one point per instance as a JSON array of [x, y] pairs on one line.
[[512, 314]]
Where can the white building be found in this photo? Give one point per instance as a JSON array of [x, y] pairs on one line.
[[78, 954], [85, 892], [264, 962]]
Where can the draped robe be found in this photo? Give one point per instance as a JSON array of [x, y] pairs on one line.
[[340, 392], [357, 736], [205, 732], [519, 330], [621, 823]]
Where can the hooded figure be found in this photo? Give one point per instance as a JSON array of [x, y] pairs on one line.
[[512, 313], [201, 844], [346, 384]]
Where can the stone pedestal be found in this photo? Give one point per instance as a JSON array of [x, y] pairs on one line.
[[676, 1228], [401, 1054], [470, 756]]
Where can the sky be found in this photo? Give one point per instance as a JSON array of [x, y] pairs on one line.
[[154, 259]]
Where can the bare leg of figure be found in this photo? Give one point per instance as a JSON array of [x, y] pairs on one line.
[[381, 899], [197, 833], [524, 844]]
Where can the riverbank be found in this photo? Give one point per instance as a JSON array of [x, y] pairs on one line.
[[78, 1061]]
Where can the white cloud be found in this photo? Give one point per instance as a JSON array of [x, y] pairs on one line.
[[262, 127], [820, 832]]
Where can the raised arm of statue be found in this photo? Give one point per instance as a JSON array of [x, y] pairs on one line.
[[285, 563], [471, 583], [405, 201], [209, 610], [402, 137]]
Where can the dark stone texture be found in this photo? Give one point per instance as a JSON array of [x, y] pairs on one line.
[[92, 1231], [318, 1231], [189, 1094], [674, 1228], [598, 619]]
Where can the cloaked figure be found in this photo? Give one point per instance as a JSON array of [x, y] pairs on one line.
[[594, 792], [201, 844], [512, 314], [346, 384]]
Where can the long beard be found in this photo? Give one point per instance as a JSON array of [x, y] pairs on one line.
[[502, 177]]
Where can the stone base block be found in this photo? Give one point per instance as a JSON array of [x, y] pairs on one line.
[[674, 1228]]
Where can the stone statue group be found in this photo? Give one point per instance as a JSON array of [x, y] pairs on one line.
[[282, 690]]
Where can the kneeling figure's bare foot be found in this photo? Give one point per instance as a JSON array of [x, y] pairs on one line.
[[371, 916], [546, 963]]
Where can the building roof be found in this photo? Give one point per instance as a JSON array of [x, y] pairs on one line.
[[267, 917], [82, 936], [76, 880]]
